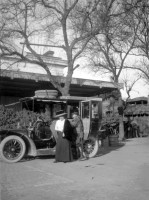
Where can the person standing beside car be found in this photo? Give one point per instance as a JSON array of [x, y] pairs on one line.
[[135, 128], [77, 124], [64, 132]]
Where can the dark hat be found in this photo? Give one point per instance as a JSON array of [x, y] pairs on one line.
[[75, 112], [60, 113]]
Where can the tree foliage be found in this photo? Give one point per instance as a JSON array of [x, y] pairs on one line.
[[10, 119]]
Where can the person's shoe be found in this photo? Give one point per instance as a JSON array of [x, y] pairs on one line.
[[55, 161], [82, 158]]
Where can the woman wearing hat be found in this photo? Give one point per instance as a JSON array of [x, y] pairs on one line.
[[64, 131]]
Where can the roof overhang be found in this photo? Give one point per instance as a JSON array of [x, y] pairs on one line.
[[17, 83]]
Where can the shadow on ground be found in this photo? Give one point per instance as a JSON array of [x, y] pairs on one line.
[[102, 151], [30, 158], [105, 150]]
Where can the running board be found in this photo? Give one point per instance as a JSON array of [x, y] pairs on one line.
[[47, 151]]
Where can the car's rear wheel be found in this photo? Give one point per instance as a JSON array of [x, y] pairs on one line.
[[12, 149], [90, 147]]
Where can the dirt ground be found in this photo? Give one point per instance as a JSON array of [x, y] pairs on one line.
[[116, 173]]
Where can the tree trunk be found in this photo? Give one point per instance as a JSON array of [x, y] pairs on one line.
[[65, 91], [120, 104], [121, 124], [121, 128], [66, 88]]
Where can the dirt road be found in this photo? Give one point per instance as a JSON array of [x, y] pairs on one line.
[[120, 173]]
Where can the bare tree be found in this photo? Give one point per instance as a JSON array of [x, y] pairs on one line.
[[66, 22], [109, 51], [144, 70], [140, 19], [129, 84]]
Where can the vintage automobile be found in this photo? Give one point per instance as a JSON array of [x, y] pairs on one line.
[[40, 138]]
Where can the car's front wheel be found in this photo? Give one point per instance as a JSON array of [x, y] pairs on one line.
[[90, 147], [12, 149]]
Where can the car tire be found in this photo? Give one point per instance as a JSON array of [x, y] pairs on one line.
[[12, 149], [91, 147], [46, 93]]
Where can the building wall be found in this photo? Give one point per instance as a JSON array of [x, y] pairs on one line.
[[56, 70]]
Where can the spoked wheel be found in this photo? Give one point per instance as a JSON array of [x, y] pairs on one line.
[[12, 149], [90, 147]]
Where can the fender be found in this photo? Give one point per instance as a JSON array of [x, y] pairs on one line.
[[30, 145], [32, 151]]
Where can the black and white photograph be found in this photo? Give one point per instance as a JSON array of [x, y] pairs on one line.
[[74, 99]]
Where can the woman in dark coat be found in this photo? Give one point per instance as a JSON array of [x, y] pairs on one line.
[[64, 131]]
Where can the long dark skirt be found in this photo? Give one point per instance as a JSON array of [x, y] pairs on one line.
[[63, 149]]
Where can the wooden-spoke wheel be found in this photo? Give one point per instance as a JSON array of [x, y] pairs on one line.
[[12, 149], [90, 147]]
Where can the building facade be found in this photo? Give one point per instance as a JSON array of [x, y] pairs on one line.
[[20, 79]]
